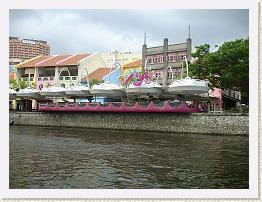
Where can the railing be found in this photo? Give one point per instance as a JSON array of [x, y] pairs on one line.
[[26, 79], [50, 78], [67, 78], [232, 94]]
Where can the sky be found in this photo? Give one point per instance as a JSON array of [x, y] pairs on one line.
[[89, 31]]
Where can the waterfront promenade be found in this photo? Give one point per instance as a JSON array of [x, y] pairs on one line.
[[196, 123]]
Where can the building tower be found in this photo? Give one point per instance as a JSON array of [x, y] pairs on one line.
[[189, 45], [144, 47], [165, 49]]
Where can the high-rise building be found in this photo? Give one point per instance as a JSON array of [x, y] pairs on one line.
[[23, 49]]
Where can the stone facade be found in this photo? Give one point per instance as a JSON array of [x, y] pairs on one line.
[[159, 58], [226, 124]]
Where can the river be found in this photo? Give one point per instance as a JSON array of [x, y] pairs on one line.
[[48, 157]]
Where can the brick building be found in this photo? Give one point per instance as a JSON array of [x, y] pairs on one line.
[[159, 58], [23, 49]]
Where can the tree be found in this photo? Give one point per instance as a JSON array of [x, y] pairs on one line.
[[230, 64], [199, 68], [95, 81], [13, 83]]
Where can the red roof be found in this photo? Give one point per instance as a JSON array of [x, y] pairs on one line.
[[73, 59], [53, 61], [99, 73], [216, 92], [32, 62]]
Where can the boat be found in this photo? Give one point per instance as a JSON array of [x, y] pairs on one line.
[[56, 90], [29, 93], [187, 85], [12, 94], [107, 89], [78, 91], [53, 91], [144, 86]]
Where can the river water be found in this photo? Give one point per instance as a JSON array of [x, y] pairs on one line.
[[48, 157]]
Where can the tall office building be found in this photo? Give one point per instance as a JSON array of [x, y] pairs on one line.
[[23, 49]]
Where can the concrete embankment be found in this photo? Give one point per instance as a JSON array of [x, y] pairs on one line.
[[219, 123]]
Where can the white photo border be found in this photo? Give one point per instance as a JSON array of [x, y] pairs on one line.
[[251, 193]]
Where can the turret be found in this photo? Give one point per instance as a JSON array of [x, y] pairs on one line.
[[189, 45]]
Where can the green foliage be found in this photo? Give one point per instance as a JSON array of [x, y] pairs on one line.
[[200, 68], [94, 81], [32, 84], [13, 84], [23, 84], [226, 68]]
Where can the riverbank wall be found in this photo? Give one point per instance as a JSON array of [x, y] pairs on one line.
[[213, 123]]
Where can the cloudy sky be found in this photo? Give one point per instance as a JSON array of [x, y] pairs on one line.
[[88, 31]]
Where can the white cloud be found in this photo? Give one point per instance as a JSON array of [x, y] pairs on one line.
[[70, 31]]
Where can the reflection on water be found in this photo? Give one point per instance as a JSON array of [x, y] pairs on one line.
[[42, 157]]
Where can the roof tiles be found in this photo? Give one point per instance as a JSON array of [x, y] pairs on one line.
[[99, 73], [74, 59], [53, 61], [32, 62]]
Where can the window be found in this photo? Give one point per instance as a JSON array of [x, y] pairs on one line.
[[158, 74], [162, 59]]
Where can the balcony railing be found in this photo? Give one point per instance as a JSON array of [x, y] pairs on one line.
[[26, 79], [67, 78], [45, 78]]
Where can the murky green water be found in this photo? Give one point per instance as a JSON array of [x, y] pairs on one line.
[[82, 158]]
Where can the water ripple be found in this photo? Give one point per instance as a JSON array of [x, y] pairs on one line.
[[42, 157]]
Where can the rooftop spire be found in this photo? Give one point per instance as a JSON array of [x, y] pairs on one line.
[[145, 38], [188, 31]]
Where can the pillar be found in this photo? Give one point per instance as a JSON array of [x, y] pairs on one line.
[[144, 47], [165, 49], [56, 75], [189, 48], [34, 104]]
